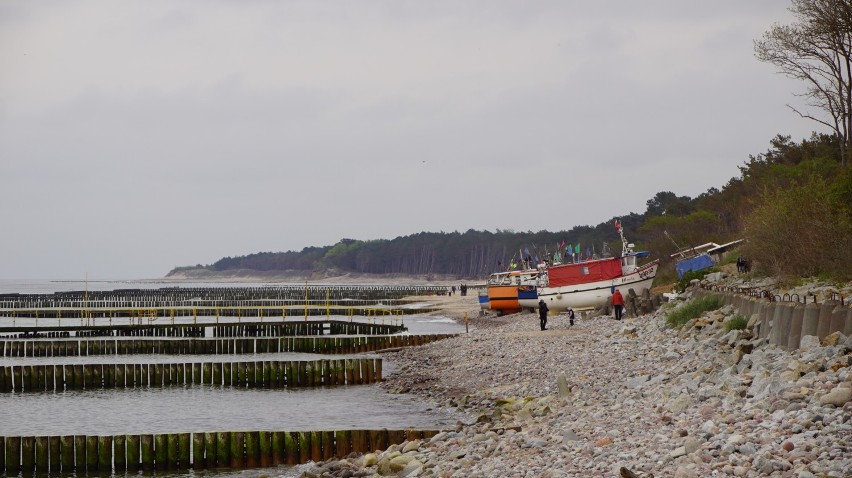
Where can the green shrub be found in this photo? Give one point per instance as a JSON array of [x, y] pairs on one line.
[[737, 322], [802, 230], [683, 283], [693, 309]]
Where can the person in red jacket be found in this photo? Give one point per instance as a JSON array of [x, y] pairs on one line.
[[617, 303]]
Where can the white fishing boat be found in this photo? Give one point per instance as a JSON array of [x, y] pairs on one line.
[[589, 283]]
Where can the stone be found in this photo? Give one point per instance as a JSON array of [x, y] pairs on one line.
[[837, 397], [562, 385], [369, 459], [833, 339], [411, 446], [414, 468], [678, 452], [680, 404], [637, 382], [809, 342], [692, 445]]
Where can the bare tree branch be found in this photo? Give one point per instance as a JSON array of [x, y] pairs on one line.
[[817, 49]]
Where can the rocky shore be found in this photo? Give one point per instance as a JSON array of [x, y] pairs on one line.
[[633, 398]]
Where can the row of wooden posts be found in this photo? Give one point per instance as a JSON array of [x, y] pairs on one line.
[[237, 296], [261, 374], [218, 346], [183, 451], [245, 329], [198, 312]]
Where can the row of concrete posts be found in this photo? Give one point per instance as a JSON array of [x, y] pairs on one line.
[[785, 323]]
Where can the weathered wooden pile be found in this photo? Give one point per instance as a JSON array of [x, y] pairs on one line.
[[73, 347], [273, 301], [182, 451], [260, 374]]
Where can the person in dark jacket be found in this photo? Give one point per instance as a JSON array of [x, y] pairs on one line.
[[542, 313]]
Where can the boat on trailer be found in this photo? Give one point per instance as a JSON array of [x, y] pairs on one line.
[[590, 283]]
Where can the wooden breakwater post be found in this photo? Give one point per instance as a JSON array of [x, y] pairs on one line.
[[146, 443], [105, 452], [66, 452], [80, 451], [27, 453], [119, 443]]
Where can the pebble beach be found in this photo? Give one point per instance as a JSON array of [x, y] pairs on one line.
[[630, 398]]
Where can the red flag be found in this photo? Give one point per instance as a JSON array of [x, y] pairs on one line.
[[617, 226]]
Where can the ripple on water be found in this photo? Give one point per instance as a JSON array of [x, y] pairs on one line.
[[208, 408]]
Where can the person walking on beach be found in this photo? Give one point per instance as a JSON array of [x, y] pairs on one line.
[[571, 316], [617, 303], [542, 313]]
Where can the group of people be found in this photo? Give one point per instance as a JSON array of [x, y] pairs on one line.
[[542, 314], [617, 304], [462, 289]]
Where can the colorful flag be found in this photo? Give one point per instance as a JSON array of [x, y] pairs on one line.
[[570, 249], [577, 248], [617, 225]]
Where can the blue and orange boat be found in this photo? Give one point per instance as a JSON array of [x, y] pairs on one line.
[[512, 291]]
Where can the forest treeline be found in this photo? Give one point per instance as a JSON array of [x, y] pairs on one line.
[[792, 205]]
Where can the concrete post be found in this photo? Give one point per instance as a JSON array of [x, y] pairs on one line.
[[810, 320], [795, 336]]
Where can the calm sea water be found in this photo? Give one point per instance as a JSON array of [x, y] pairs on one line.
[[210, 408]]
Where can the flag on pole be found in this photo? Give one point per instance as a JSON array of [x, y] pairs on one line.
[[617, 226], [577, 248]]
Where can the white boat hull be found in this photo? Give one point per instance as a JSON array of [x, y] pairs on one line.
[[528, 303], [595, 294]]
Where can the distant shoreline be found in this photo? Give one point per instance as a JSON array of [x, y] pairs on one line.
[[315, 277]]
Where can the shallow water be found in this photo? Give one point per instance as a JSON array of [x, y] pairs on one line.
[[207, 408]]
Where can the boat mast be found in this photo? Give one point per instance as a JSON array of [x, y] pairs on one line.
[[625, 247], [679, 250]]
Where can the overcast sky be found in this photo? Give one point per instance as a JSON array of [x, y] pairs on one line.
[[136, 136]]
